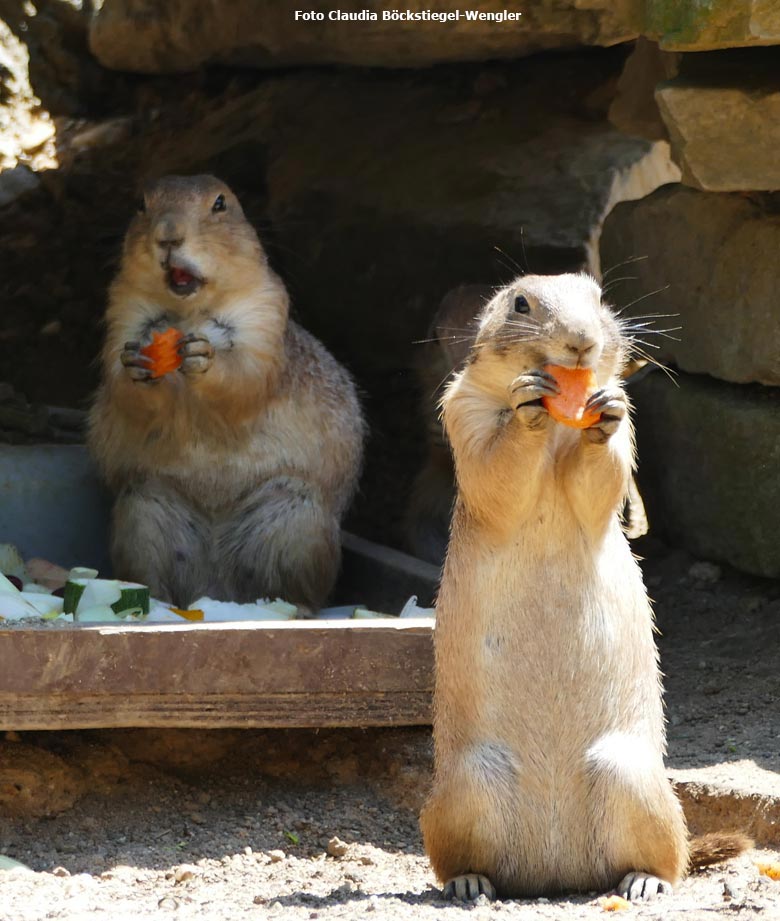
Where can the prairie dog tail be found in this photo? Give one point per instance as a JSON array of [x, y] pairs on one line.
[[717, 846]]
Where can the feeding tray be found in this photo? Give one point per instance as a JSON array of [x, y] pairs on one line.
[[261, 674]]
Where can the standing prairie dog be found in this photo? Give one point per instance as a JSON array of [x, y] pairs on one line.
[[548, 727], [232, 473]]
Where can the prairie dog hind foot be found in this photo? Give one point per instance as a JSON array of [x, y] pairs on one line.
[[641, 887], [468, 888]]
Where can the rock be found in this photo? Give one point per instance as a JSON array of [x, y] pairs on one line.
[[709, 454], [337, 847], [169, 36], [704, 571], [60, 871], [723, 117], [714, 259], [185, 872], [634, 109], [689, 25], [16, 182], [276, 855]]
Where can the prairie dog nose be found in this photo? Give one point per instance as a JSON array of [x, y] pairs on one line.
[[580, 345], [168, 233]]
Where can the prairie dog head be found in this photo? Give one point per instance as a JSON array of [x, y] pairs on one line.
[[551, 319], [190, 243]]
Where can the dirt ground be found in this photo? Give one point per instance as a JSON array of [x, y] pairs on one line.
[[237, 824]]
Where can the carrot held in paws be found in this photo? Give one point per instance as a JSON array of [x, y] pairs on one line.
[[568, 407], [163, 352]]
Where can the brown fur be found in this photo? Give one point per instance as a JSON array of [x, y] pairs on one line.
[[548, 727], [232, 474]]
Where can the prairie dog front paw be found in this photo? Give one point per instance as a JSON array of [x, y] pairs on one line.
[[135, 364], [197, 354], [526, 392], [612, 406]]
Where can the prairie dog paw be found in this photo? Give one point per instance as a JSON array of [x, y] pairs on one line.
[[526, 392], [612, 406], [136, 364], [197, 354], [469, 887], [641, 887]]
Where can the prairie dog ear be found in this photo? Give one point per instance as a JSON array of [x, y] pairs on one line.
[[456, 322]]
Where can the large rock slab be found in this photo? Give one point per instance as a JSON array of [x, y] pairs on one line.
[[709, 459], [723, 117], [712, 260], [169, 36], [690, 25]]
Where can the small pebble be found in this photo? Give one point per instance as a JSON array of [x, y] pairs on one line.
[[184, 872], [60, 871], [276, 855], [703, 571], [337, 847]]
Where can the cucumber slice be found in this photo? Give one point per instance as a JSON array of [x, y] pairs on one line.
[[365, 614], [82, 572], [82, 594]]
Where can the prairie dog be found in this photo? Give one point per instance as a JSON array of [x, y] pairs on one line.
[[231, 474], [450, 338], [548, 722]]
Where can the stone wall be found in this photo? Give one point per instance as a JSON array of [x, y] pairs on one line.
[[707, 249]]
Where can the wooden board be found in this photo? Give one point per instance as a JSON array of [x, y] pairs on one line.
[[229, 675]]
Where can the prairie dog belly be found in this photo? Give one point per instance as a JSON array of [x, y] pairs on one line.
[[562, 653]]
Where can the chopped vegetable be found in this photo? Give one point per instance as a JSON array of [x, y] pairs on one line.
[[15, 607], [365, 614], [193, 615], [262, 609], [163, 352], [44, 604], [11, 562], [33, 587], [82, 572], [614, 903], [772, 870], [14, 582], [84, 593], [568, 407], [412, 609], [45, 573]]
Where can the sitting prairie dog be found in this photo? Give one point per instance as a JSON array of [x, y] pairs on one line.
[[548, 727], [232, 473], [450, 338]]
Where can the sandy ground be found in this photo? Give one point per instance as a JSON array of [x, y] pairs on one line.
[[231, 825]]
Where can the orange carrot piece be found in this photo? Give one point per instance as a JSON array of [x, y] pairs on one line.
[[195, 615], [568, 407], [772, 870], [614, 903], [163, 352]]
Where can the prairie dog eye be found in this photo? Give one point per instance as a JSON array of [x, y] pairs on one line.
[[521, 304], [140, 205], [219, 204]]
